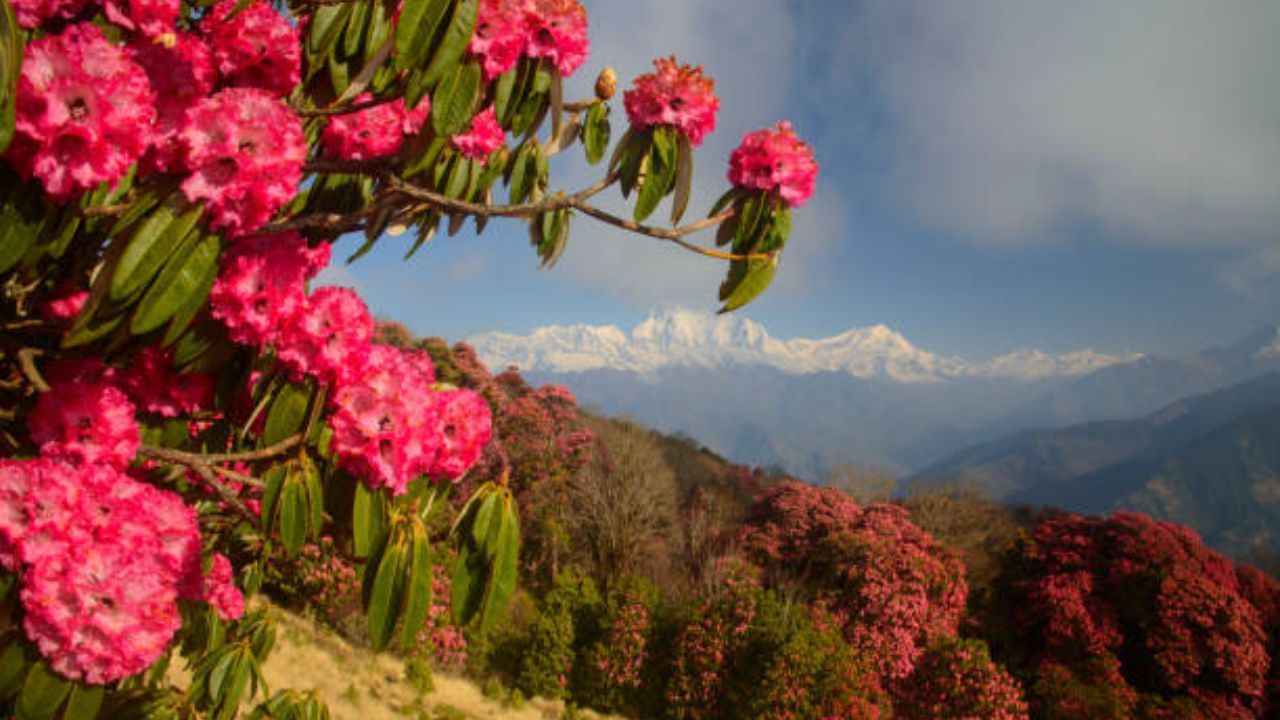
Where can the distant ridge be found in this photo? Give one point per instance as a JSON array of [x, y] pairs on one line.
[[683, 338]]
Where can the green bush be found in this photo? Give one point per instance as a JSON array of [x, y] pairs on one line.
[[567, 619]]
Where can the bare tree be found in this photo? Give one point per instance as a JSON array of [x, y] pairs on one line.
[[622, 500]]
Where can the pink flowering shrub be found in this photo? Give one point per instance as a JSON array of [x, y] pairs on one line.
[[509, 29], [84, 112], [956, 680], [675, 95], [892, 586], [1134, 608], [91, 423], [181, 73], [774, 159]]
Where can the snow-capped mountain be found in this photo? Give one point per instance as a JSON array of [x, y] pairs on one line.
[[683, 338]]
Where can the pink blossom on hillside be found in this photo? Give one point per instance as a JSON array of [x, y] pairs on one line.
[[255, 47], [775, 159], [245, 150], [482, 138], [675, 95], [463, 423], [956, 680], [373, 132], [85, 424], [84, 112]]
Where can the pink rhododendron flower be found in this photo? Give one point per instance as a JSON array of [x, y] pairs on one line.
[[499, 38], [66, 306], [557, 30], [482, 138], [373, 132], [154, 386], [31, 13], [181, 75], [676, 95], [152, 18], [464, 425], [245, 150], [775, 159], [85, 423], [221, 592], [329, 337], [102, 559], [383, 420], [256, 48], [262, 285], [84, 112]]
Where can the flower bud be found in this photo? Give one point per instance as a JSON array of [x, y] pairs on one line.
[[606, 84]]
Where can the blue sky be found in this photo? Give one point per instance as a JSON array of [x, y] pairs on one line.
[[994, 175]]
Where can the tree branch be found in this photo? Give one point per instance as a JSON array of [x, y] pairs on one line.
[[27, 361], [183, 457]]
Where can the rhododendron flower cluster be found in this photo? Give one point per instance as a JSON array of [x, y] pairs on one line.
[[155, 388], [481, 138], [84, 112], [678, 96], [895, 588], [956, 680], [551, 29], [1144, 601], [391, 424], [181, 73], [373, 132], [774, 159], [254, 46], [87, 423], [245, 150], [152, 18], [103, 560]]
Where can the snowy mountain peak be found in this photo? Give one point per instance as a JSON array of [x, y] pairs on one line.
[[684, 338]]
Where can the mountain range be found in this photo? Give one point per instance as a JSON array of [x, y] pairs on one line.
[[867, 396]]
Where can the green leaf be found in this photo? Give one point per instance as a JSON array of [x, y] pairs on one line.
[[753, 217], [595, 132], [85, 702], [323, 31], [273, 484], [417, 602], [420, 21], [387, 595], [746, 280], [288, 412], [628, 138], [506, 555], [42, 693], [353, 36], [21, 219], [725, 201], [182, 287], [315, 499], [503, 90], [523, 171], [294, 513], [151, 245], [14, 663], [659, 177], [368, 521], [467, 585], [683, 180], [10, 66], [454, 101], [457, 35], [483, 515], [778, 230]]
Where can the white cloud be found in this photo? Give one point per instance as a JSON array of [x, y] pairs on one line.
[[1155, 121]]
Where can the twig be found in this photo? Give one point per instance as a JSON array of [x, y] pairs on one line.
[[238, 477], [224, 492], [346, 109], [192, 459], [26, 360]]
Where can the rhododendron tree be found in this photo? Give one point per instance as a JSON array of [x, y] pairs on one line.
[[178, 406], [1129, 616]]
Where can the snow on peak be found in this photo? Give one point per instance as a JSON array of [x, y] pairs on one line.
[[685, 338]]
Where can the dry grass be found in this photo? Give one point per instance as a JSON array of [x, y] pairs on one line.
[[362, 685]]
